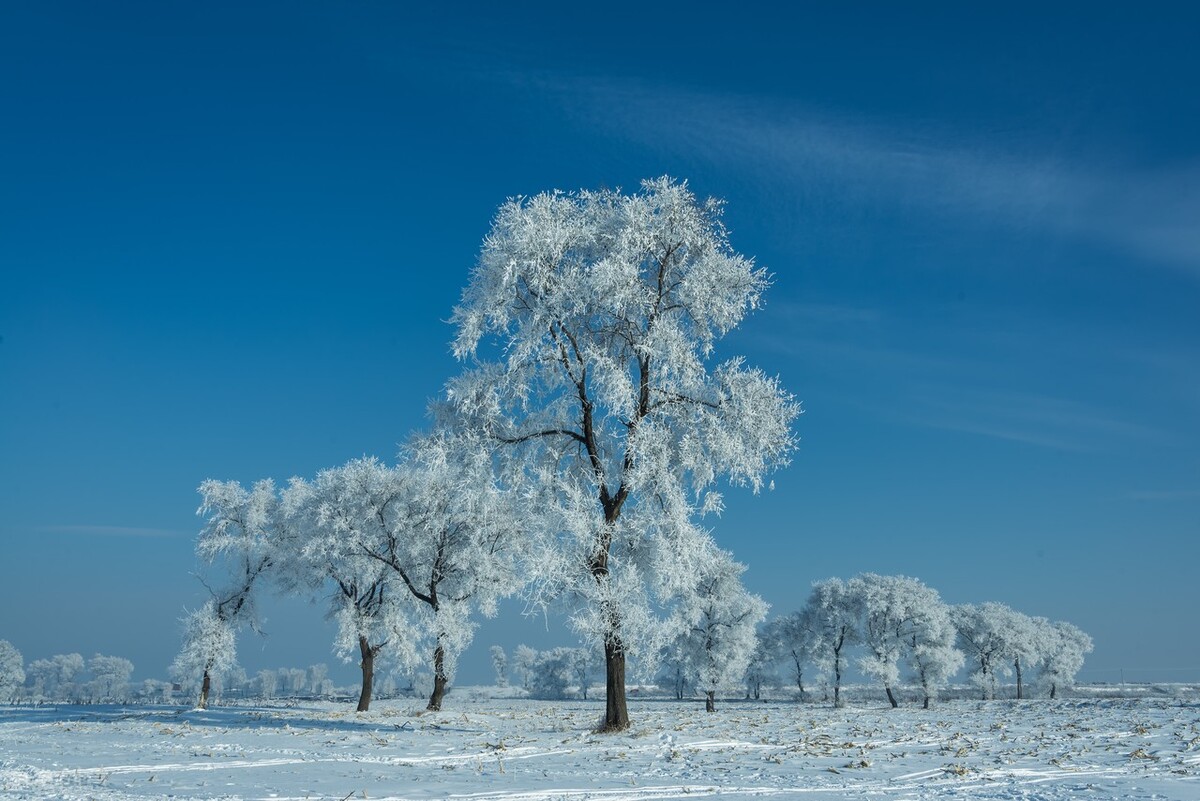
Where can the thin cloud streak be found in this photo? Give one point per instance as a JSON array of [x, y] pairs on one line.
[[1150, 214], [112, 531]]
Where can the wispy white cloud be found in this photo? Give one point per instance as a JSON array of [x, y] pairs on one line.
[[1165, 495], [1044, 421], [111, 531], [1149, 214]]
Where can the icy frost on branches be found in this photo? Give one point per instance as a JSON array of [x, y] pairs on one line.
[[604, 310], [718, 624]]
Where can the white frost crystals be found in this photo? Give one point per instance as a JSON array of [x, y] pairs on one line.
[[590, 321]]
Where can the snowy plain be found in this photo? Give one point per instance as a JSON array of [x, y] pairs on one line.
[[484, 748]]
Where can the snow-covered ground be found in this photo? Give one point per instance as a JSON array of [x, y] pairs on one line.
[[489, 749]]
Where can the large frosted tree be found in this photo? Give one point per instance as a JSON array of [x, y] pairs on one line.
[[591, 320]]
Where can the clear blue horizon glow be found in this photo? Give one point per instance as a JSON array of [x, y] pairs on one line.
[[230, 238]]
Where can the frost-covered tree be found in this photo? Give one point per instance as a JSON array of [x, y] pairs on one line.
[[1064, 646], [499, 664], [54, 678], [901, 618], [997, 639], [324, 521], [598, 314], [1023, 645], [555, 672], [718, 623], [209, 648], [831, 616], [110, 677], [12, 670], [676, 672], [445, 530], [524, 660], [932, 654], [884, 615], [762, 669], [318, 675], [789, 639], [265, 683], [293, 680], [240, 532]]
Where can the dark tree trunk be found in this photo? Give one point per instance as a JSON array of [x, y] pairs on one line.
[[1053, 689], [710, 703], [205, 686], [439, 678], [837, 682], [368, 674], [925, 705], [891, 696], [1017, 666], [616, 710]]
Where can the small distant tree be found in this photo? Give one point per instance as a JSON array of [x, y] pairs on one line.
[[110, 677], [1023, 645], [793, 642], [12, 670], [239, 532], [719, 621], [55, 678], [603, 311], [266, 681], [931, 651], [1064, 647], [523, 663], [446, 533], [761, 671], [293, 680], [500, 665], [155, 691], [209, 648], [903, 620], [317, 676], [325, 519], [553, 673], [883, 622], [983, 638], [832, 618], [582, 670], [676, 673]]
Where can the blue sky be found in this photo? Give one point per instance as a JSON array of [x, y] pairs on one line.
[[230, 236]]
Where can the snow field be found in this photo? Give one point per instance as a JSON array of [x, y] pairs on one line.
[[519, 750]]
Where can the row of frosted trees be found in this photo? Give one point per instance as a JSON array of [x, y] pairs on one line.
[[580, 448], [69, 678], [896, 628]]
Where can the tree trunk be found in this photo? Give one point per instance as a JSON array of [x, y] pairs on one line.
[[710, 703], [205, 686], [837, 683], [368, 674], [616, 710], [891, 696], [1053, 688], [439, 678], [1017, 666]]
